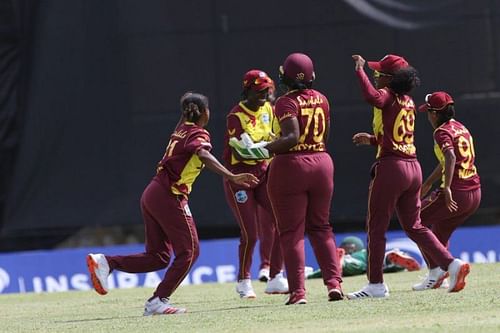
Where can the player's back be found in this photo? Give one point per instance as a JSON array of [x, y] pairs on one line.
[[180, 165], [454, 134], [312, 110], [398, 122]]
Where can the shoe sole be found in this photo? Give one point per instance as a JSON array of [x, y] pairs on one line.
[[92, 266], [299, 302], [168, 312], [409, 263], [335, 295], [462, 273], [263, 279], [276, 292]]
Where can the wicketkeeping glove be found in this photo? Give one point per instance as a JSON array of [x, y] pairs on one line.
[[249, 150]]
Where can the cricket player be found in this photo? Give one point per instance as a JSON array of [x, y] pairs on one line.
[[169, 225], [353, 257], [253, 116], [396, 175], [459, 195], [300, 178]]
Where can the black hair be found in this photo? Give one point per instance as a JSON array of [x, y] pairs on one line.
[[404, 80], [193, 105], [445, 115], [293, 84], [244, 93]]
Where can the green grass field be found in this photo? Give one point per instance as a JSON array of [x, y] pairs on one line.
[[217, 308]]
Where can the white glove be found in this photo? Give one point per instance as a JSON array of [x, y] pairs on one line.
[[249, 150]]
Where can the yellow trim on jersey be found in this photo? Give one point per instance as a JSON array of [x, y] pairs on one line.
[[259, 130], [189, 173], [378, 128], [440, 157]]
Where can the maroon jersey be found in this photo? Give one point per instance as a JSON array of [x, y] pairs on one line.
[[454, 136], [258, 125], [397, 117], [312, 110], [180, 164]]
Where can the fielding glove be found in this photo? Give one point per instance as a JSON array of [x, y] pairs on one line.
[[249, 150]]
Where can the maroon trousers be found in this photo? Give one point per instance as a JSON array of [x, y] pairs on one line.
[[395, 185], [300, 188], [435, 215], [245, 204], [169, 227], [266, 229]]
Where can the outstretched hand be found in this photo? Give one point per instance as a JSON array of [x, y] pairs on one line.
[[359, 61], [244, 179], [361, 139]]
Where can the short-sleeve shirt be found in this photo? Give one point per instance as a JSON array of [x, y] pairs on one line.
[[454, 136], [180, 164], [394, 120], [258, 125], [312, 110]]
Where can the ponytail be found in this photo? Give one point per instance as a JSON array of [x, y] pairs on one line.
[[193, 105]]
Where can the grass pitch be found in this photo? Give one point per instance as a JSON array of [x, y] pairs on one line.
[[217, 308]]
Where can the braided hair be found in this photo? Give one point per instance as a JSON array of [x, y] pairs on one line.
[[193, 105], [404, 80]]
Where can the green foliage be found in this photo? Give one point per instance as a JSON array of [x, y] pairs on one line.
[[217, 308]]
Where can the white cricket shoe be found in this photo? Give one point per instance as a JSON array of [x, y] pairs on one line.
[[161, 306], [371, 290], [245, 289], [99, 271], [432, 280], [264, 275], [457, 270], [277, 285]]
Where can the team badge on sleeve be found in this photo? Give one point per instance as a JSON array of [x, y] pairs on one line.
[[265, 118], [241, 196]]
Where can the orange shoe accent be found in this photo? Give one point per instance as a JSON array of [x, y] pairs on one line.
[[404, 261], [93, 277], [462, 273], [439, 282]]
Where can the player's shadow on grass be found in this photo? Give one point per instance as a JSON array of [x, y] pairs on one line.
[[234, 308], [242, 307]]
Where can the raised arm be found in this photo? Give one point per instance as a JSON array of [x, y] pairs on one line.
[[370, 94]]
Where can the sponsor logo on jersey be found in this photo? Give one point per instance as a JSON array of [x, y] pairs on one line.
[[241, 196]]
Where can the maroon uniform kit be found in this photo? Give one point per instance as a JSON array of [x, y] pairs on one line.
[[300, 187], [465, 184], [396, 184], [250, 206]]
